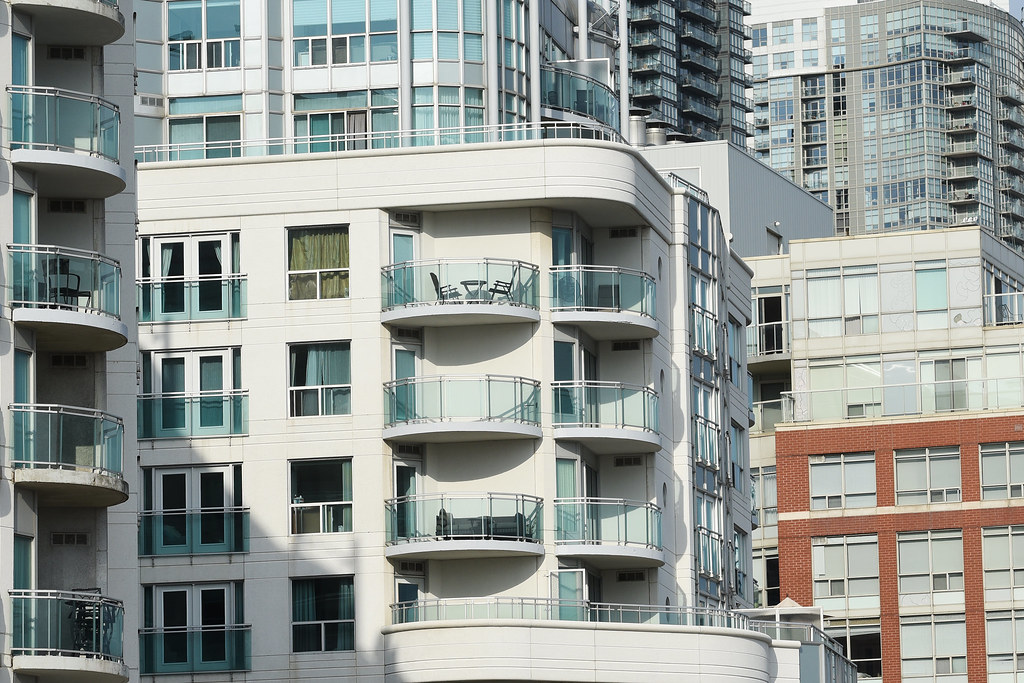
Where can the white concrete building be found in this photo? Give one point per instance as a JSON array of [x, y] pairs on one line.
[[67, 357], [480, 429]]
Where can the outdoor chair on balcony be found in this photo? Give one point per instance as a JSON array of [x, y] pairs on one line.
[[503, 287], [444, 292]]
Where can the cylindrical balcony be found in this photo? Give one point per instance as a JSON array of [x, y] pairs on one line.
[[607, 417], [445, 292], [456, 525], [69, 456], [73, 22], [71, 299], [604, 301], [68, 139], [194, 532], [570, 91], [60, 636], [448, 409], [173, 415], [177, 299], [609, 533]]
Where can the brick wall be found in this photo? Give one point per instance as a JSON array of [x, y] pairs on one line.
[[793, 446]]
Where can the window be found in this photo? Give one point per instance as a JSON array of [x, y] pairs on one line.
[[321, 496], [1004, 644], [741, 551], [845, 572], [783, 60], [930, 562], [810, 58], [782, 32], [759, 36], [930, 285], [339, 33], [203, 127], [190, 278], [927, 475], [809, 29], [1002, 470], [1002, 552], [842, 480], [766, 501], [203, 34], [933, 645], [737, 351], [193, 510], [737, 455], [862, 642], [318, 262], [320, 379], [767, 591], [323, 614], [192, 393], [194, 628]]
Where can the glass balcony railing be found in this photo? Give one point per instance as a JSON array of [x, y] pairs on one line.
[[464, 516], [504, 133], [218, 297], [57, 277], [194, 532], [602, 288], [766, 339], [457, 281], [553, 609], [195, 649], [66, 624], [606, 521], [166, 416], [1004, 309], [608, 405], [570, 91], [63, 120], [709, 552], [922, 398], [62, 437], [493, 398], [766, 415]]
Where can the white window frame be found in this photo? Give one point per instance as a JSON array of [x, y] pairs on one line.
[[299, 509], [949, 583], [927, 457], [854, 592], [1008, 489], [863, 498]]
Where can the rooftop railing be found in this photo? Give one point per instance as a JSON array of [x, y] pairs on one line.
[[389, 139], [568, 90], [921, 398]]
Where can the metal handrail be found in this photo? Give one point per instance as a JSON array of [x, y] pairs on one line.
[[61, 92], [65, 410], [64, 251], [391, 139], [190, 278]]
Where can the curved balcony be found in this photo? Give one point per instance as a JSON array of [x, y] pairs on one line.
[[609, 533], [67, 637], [569, 91], [68, 139], [445, 292], [177, 416], [448, 409], [68, 456], [71, 299], [194, 532], [177, 299], [456, 525], [534, 639], [73, 22], [604, 301], [607, 417]]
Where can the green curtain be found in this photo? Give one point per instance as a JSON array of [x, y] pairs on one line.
[[321, 249], [22, 562]]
